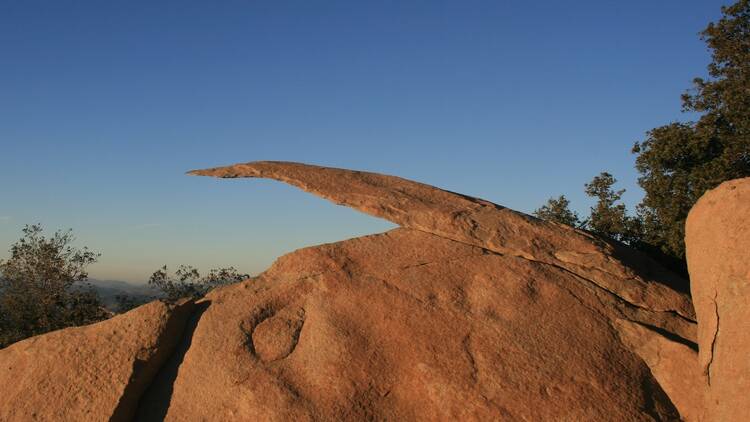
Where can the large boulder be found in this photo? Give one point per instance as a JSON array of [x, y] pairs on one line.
[[718, 252], [470, 311], [481, 223], [92, 373], [409, 326]]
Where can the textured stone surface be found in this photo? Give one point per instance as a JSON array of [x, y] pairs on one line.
[[92, 373], [410, 326], [673, 363], [471, 311], [718, 251], [480, 223], [277, 335]]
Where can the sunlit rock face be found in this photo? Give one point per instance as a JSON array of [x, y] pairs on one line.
[[718, 251], [469, 311], [92, 373]]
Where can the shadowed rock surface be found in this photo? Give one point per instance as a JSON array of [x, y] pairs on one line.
[[718, 251], [470, 311]]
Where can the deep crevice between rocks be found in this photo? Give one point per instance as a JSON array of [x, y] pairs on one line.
[[154, 402]]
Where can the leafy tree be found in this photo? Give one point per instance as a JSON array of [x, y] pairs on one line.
[[39, 290], [187, 281], [678, 162], [558, 210], [608, 216]]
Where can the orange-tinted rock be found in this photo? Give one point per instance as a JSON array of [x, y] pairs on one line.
[[718, 252], [479, 223], [673, 363], [410, 326], [470, 312], [92, 373], [276, 336]]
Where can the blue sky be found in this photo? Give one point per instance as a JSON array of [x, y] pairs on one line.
[[104, 106]]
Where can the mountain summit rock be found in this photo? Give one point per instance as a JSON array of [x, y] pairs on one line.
[[468, 311]]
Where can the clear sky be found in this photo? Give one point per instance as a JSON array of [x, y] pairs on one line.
[[105, 105]]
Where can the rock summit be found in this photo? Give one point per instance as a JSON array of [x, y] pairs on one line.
[[467, 311]]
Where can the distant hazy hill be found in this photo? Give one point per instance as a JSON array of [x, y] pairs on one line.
[[109, 289]]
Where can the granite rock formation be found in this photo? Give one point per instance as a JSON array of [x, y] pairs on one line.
[[92, 373], [718, 251], [468, 311]]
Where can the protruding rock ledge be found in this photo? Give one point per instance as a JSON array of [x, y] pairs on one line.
[[481, 223], [470, 312]]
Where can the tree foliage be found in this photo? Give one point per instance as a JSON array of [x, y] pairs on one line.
[[679, 162], [40, 288], [609, 216], [558, 210], [125, 302], [187, 281]]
